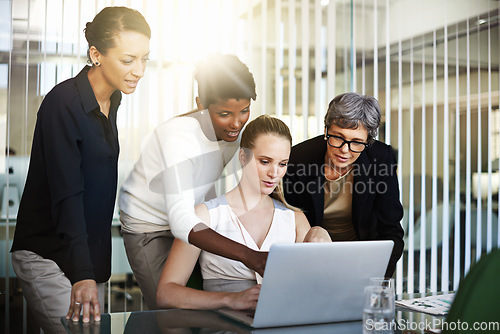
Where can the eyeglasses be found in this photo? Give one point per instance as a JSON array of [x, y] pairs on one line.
[[338, 142]]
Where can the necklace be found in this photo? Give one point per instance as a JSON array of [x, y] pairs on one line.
[[340, 174]]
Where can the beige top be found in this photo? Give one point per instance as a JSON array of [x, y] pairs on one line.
[[337, 218]]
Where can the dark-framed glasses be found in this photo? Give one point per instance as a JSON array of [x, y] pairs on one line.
[[338, 142]]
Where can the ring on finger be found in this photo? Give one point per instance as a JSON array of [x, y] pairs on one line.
[[77, 303]]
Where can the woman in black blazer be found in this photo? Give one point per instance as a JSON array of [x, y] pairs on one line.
[[345, 180]]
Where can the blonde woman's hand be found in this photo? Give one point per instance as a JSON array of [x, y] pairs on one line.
[[317, 234], [246, 299]]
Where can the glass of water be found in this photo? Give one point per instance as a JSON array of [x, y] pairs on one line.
[[378, 310], [384, 282]]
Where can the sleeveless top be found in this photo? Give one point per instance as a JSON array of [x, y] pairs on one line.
[[224, 221]]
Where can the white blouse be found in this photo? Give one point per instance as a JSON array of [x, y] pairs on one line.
[[224, 221]]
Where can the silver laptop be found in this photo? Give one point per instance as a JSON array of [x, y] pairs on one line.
[[312, 283]]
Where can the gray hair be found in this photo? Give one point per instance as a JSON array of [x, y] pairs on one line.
[[348, 110]]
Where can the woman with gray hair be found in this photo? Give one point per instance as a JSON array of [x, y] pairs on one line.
[[345, 180]]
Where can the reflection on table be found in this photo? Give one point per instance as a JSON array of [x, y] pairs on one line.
[[191, 321], [196, 321]]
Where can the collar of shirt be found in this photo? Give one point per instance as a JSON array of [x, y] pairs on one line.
[[89, 102]]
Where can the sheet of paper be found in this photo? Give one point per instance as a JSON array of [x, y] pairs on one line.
[[435, 305]]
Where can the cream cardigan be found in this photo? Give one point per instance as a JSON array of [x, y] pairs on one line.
[[177, 169]]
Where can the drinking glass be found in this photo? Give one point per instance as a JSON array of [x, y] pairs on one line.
[[378, 310], [384, 282]]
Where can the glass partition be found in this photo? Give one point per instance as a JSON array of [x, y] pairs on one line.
[[433, 65]]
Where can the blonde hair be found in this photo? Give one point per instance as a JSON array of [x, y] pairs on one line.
[[264, 125]]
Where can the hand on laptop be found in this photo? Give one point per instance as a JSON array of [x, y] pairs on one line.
[[244, 300], [256, 261], [317, 234]]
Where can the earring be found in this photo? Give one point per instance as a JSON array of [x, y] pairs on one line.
[[326, 138], [97, 63]]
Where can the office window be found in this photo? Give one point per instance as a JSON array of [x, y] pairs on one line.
[[433, 65]]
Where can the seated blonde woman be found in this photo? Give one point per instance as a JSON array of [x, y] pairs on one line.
[[254, 214]]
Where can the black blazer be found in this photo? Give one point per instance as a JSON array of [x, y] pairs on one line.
[[376, 209]]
